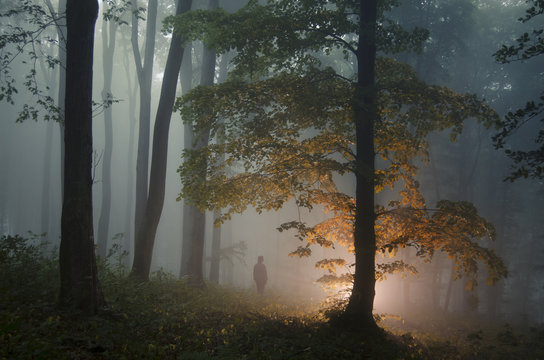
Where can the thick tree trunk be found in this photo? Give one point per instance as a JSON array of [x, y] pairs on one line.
[[109, 30], [145, 73], [359, 309], [145, 237], [78, 274]]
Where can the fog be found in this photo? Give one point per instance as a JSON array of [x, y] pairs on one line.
[[458, 55]]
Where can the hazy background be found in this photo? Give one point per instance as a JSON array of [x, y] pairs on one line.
[[463, 36]]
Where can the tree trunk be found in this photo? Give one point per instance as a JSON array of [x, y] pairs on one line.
[[61, 31], [449, 291], [5, 159], [145, 237], [216, 251], [196, 238], [61, 34], [194, 219], [47, 160], [359, 309], [215, 263], [132, 88], [108, 50], [145, 73], [186, 79], [79, 286]]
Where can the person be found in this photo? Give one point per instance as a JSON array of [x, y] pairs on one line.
[[259, 274]]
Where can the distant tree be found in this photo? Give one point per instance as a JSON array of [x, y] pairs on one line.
[[186, 81], [78, 273], [113, 14], [527, 163], [34, 38], [290, 120], [194, 221], [131, 91]]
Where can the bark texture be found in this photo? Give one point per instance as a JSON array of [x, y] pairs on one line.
[[79, 281], [359, 309]]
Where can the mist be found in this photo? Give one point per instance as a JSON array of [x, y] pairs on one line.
[[457, 54]]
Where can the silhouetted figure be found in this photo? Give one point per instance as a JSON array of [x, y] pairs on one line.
[[259, 275]]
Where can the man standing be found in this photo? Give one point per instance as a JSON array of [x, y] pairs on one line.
[[259, 275]]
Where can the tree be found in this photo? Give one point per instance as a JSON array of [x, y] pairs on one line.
[[291, 120], [194, 219], [111, 20], [186, 81], [527, 163], [145, 236], [364, 104], [144, 70], [79, 279]]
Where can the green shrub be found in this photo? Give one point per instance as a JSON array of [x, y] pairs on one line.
[[29, 273]]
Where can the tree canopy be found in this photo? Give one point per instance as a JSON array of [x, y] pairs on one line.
[[284, 130]]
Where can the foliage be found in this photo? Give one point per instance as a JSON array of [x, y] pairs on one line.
[[28, 272], [166, 319], [162, 318], [455, 337], [115, 11], [528, 45], [26, 36], [527, 163], [31, 39], [285, 131]]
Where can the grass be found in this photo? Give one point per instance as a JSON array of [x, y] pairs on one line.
[[166, 319]]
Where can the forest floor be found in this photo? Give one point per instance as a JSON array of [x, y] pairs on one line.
[[166, 319]]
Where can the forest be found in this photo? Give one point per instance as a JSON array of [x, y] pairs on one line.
[[272, 179]]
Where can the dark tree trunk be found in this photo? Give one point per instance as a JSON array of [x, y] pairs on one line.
[[359, 309], [145, 73], [109, 30], [79, 286], [145, 236]]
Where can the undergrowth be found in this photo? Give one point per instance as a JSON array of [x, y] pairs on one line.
[[167, 319]]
